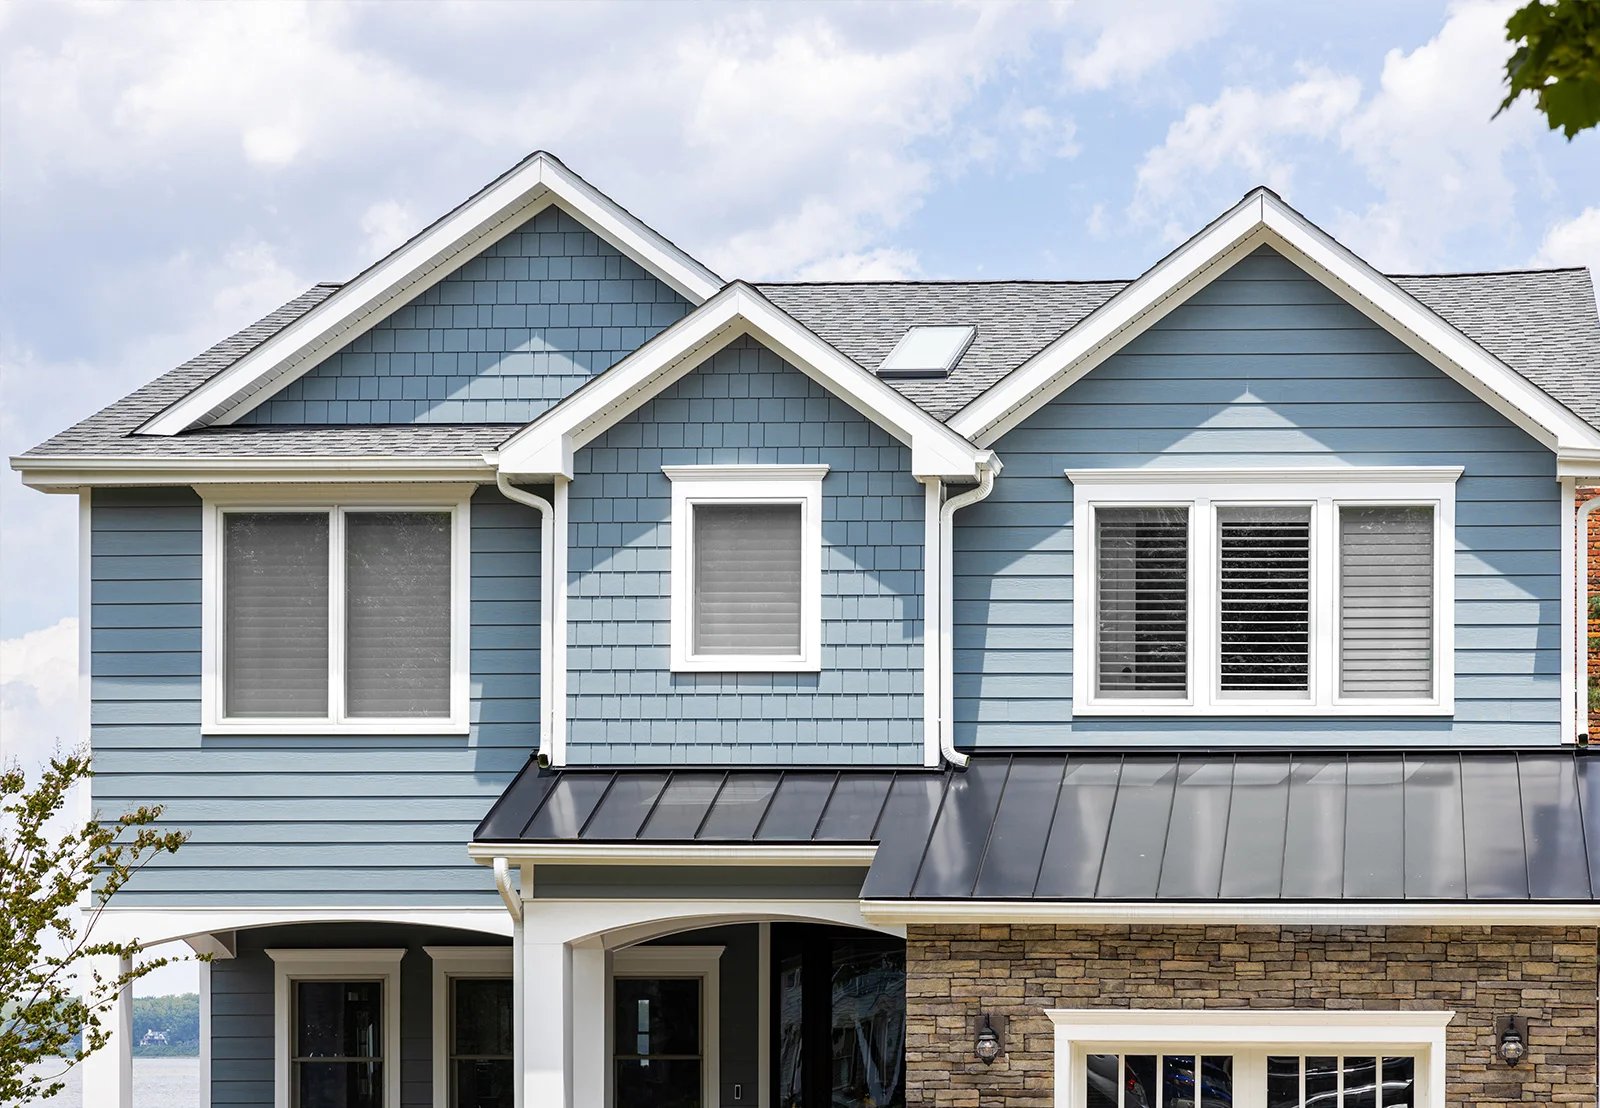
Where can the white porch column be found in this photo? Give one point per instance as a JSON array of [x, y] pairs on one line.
[[590, 1007], [108, 1072], [546, 1038]]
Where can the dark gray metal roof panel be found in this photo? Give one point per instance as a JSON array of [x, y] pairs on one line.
[[1144, 825]]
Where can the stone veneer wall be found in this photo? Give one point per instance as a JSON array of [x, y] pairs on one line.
[[953, 972]]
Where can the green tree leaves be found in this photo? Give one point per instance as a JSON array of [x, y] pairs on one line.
[[1558, 60]]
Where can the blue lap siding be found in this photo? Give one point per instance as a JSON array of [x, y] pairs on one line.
[[744, 405], [1265, 367], [340, 819], [498, 341]]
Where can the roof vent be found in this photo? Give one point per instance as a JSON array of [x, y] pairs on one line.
[[927, 352]]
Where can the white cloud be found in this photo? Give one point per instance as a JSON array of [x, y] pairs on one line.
[[1129, 40], [1574, 241], [873, 265], [39, 693], [387, 224]]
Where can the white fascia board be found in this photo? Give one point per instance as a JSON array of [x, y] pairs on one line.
[[1276, 913], [1261, 219], [545, 447], [383, 288], [71, 474], [676, 854]]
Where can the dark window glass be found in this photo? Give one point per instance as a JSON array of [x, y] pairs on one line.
[[338, 1044], [1216, 1082], [1102, 1076], [481, 1070], [1283, 1083], [1265, 605], [869, 1024], [1141, 1081], [1178, 1088], [658, 1083], [1360, 1083], [1322, 1082], [1399, 1082], [791, 1032], [656, 1024]]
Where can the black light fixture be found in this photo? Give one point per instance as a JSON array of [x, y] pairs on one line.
[[988, 1046], [1511, 1038]]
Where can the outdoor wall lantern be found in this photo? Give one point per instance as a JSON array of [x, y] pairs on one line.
[[1511, 1038], [988, 1046]]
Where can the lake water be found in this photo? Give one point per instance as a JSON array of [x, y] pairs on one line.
[[157, 1083]]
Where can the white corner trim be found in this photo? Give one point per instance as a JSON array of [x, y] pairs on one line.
[[338, 964], [1322, 492], [935, 634], [1353, 913], [676, 854], [1261, 219], [695, 485], [701, 962], [546, 446], [373, 295], [336, 502], [452, 962], [557, 620]]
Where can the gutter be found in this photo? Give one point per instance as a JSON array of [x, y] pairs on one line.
[[547, 614], [988, 468]]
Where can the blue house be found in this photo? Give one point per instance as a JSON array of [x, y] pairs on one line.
[[588, 681]]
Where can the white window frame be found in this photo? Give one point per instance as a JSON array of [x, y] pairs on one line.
[[703, 962], [334, 964], [1202, 492], [1251, 1036], [746, 484], [337, 503], [453, 963]]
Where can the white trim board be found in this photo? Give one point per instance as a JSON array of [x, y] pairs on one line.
[[334, 964], [1263, 219], [676, 854], [451, 962], [545, 447], [515, 197]]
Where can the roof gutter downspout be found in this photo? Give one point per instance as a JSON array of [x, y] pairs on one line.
[[988, 468], [508, 893], [547, 611]]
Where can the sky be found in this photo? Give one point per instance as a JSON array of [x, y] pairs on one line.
[[171, 172]]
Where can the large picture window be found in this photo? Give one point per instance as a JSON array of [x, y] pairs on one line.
[[746, 568], [348, 615], [1236, 594]]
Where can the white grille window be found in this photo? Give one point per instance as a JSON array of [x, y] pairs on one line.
[[746, 568], [1238, 594], [334, 617]]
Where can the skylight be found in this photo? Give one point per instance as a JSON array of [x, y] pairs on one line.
[[927, 352]]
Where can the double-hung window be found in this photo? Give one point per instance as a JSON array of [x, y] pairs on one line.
[[341, 614], [746, 568], [473, 1050], [1310, 591], [337, 1035]]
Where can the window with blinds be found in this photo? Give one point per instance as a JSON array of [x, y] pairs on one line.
[[275, 587], [747, 591], [1264, 611], [1142, 597], [1386, 616], [397, 614]]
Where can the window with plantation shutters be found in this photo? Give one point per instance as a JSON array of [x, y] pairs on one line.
[[1386, 589], [746, 568], [747, 592], [1264, 592], [1260, 593], [1143, 602], [335, 617]]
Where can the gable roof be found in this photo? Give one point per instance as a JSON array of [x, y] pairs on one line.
[[494, 211], [1263, 219], [545, 447]]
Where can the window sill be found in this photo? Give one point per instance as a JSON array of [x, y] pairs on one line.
[[1367, 709], [329, 727], [746, 664]]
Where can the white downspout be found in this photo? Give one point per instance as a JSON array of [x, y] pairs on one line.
[[988, 468], [547, 612]]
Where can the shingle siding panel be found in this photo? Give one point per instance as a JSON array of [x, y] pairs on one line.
[[498, 341], [1218, 383], [298, 819], [744, 405]]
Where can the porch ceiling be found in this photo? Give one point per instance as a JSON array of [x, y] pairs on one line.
[[1403, 826]]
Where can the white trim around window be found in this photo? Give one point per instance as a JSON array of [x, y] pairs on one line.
[[694, 485], [1322, 493], [677, 962], [337, 503], [450, 962], [333, 964], [1250, 1036]]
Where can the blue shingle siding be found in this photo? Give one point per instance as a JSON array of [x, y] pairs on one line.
[[1263, 367], [498, 341], [302, 819], [624, 705]]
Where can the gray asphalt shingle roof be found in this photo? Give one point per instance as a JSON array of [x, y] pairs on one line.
[[1542, 323]]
